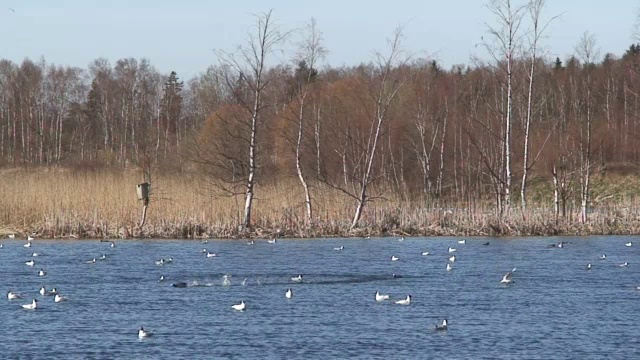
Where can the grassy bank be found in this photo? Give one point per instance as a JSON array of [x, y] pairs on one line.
[[58, 203]]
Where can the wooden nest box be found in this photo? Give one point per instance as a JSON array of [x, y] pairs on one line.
[[143, 191]]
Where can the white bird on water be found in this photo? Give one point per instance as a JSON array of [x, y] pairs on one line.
[[340, 248], [381, 297], [624, 264], [629, 244], [603, 257], [244, 282], [13, 296], [59, 298], [27, 245], [113, 244], [589, 266], [42, 272], [401, 239], [452, 249], [159, 262], [35, 254], [142, 333], [92, 261], [289, 293], [463, 241], [506, 279], [449, 267], [30, 263], [425, 253], [273, 241], [239, 307], [452, 258], [442, 326], [394, 258], [32, 306], [297, 278], [406, 301], [210, 254], [11, 236], [225, 280], [30, 238]]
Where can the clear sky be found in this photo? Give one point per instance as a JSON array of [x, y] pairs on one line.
[[181, 35]]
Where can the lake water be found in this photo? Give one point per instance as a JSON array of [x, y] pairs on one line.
[[554, 309]]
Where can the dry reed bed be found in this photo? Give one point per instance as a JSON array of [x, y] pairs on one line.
[[58, 203]]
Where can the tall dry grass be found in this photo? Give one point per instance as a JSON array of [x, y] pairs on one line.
[[58, 203]]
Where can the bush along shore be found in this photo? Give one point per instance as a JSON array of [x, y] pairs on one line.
[[103, 205]]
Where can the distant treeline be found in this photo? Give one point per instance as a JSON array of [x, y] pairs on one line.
[[399, 121]]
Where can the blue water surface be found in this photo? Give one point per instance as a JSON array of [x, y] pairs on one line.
[[554, 309]]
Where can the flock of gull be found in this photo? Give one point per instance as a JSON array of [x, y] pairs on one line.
[[506, 280]]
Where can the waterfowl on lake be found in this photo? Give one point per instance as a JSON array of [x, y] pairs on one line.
[[406, 301], [169, 260], [425, 253], [506, 279], [394, 258], [452, 249], [272, 241], [159, 262], [401, 239], [30, 238], [239, 307], [92, 261], [30, 263], [381, 297], [449, 267], [589, 266], [624, 264], [250, 242], [486, 244], [463, 241], [225, 280], [42, 272], [27, 245], [13, 296], [35, 254], [297, 278], [288, 294], [210, 255], [113, 244], [629, 244], [11, 236], [442, 326], [244, 282], [161, 278], [452, 258], [103, 257], [59, 298], [32, 306], [142, 333], [179, 285], [340, 248], [603, 257]]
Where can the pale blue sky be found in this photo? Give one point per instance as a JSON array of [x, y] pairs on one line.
[[180, 35]]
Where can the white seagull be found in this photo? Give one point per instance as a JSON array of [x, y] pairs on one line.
[[32, 306], [442, 326], [401, 239], [11, 236], [406, 301], [506, 279], [35, 254], [624, 264], [30, 263], [159, 262], [113, 244], [59, 298], [42, 272], [394, 258], [250, 242], [452, 258], [239, 307], [425, 253], [92, 261], [210, 254], [340, 248], [297, 278], [629, 244], [463, 241], [27, 245], [142, 333], [244, 282], [103, 257], [289, 293], [161, 278], [449, 267], [273, 241], [381, 297], [589, 266], [452, 249], [13, 296], [603, 257], [30, 238], [225, 280]]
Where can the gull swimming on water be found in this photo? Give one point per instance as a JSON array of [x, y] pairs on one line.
[[161, 278], [27, 245], [239, 307], [113, 244], [30, 263], [406, 301], [92, 261], [32, 306], [210, 254], [506, 279], [603, 257], [624, 264], [159, 262], [401, 239], [394, 258], [297, 278], [289, 293], [629, 244], [42, 272], [463, 241], [452, 249], [142, 333], [449, 267], [273, 241], [225, 280], [425, 253], [340, 248], [35, 254], [13, 296], [442, 326], [30, 238], [381, 297], [11, 236], [452, 258], [589, 266], [244, 282], [59, 298]]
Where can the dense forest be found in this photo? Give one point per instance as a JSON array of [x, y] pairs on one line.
[[397, 123]]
